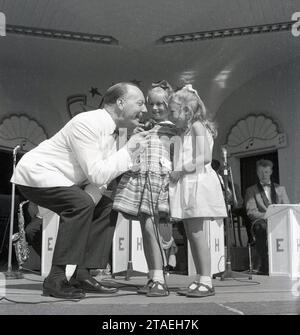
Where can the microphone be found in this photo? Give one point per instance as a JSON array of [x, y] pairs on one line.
[[19, 147], [16, 149], [148, 125], [224, 152]]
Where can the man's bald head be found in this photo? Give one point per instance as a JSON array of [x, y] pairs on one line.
[[125, 102], [117, 91]]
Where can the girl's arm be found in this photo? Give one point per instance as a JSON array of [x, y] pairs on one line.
[[201, 148], [201, 154]]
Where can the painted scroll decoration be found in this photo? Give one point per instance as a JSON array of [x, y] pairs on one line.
[[82, 102], [76, 104]]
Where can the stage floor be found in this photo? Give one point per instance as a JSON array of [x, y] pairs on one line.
[[262, 295]]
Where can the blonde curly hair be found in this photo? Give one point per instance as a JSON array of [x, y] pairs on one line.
[[189, 100], [163, 87]]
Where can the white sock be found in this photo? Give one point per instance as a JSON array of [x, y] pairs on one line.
[[150, 274], [158, 275], [206, 280]]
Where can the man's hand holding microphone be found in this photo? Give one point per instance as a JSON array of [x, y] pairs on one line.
[[136, 145]]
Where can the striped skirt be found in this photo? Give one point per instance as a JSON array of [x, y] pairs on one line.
[[142, 193]]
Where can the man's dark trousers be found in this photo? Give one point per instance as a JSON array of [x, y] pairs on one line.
[[261, 243], [85, 231]]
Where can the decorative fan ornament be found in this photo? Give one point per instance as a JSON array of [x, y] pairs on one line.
[[255, 133], [18, 129]]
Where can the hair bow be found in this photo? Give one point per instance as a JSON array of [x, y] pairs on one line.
[[162, 84], [190, 89]]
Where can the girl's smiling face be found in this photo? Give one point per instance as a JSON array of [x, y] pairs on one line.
[[157, 106]]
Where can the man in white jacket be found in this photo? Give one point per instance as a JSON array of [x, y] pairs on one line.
[[68, 174]]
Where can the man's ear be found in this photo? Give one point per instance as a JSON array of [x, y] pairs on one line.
[[120, 103]]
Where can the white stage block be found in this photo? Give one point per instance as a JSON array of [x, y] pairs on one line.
[[120, 245], [284, 240], [50, 229], [214, 231]]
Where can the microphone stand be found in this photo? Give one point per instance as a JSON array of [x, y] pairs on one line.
[[12, 274], [228, 273], [129, 270]]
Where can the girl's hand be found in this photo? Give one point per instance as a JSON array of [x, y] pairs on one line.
[[175, 176], [138, 130]]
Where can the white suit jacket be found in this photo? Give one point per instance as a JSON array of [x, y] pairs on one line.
[[83, 151]]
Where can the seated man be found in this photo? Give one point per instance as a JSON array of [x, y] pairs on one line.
[[257, 199]]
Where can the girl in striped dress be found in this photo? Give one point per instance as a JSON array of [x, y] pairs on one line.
[[143, 195]]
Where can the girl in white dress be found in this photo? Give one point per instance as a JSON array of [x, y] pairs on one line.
[[195, 191]]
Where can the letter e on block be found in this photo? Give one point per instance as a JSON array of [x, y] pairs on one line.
[[50, 243], [121, 246], [279, 244]]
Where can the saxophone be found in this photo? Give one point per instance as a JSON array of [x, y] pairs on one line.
[[19, 239]]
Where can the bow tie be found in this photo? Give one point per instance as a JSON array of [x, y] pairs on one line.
[[266, 184]]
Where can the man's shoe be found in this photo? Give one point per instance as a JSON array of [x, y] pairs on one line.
[[91, 285], [145, 289], [61, 289], [158, 290]]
